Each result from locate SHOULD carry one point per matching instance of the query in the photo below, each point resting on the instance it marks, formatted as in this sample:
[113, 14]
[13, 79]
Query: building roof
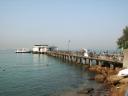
[41, 45]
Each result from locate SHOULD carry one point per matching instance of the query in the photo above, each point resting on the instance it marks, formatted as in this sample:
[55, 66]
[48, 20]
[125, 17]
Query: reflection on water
[39, 75]
[39, 59]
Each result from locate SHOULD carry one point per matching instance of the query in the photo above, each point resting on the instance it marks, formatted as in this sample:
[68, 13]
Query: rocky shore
[114, 85]
[110, 84]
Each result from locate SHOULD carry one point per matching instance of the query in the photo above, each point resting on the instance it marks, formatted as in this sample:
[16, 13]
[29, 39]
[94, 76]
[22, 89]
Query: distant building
[40, 48]
[53, 48]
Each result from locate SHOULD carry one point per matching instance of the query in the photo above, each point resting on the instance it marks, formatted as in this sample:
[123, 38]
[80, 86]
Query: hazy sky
[86, 23]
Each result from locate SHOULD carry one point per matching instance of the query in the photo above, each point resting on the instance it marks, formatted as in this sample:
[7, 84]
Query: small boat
[23, 50]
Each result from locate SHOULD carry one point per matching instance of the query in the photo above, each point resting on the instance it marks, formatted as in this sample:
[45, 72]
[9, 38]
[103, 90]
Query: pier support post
[80, 60]
[85, 61]
[99, 63]
[71, 58]
[77, 60]
[64, 57]
[90, 62]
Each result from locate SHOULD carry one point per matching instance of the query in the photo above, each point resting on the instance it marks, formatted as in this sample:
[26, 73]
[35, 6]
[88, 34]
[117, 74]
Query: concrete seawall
[125, 60]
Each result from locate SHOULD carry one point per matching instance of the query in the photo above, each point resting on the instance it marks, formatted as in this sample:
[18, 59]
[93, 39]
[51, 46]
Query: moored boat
[23, 50]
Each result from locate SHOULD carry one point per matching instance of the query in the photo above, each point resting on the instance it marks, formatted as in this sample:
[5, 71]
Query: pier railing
[77, 57]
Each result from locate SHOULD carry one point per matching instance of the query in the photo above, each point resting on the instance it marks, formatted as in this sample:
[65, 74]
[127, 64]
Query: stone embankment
[116, 85]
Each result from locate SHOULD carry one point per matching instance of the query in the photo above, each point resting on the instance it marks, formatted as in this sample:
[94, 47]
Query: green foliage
[123, 40]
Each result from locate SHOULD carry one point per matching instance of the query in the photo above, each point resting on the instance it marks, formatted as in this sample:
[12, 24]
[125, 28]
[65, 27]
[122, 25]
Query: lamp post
[68, 44]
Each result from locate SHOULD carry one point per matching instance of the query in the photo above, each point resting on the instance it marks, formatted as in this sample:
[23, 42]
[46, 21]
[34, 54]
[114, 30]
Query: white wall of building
[40, 48]
[44, 49]
[35, 49]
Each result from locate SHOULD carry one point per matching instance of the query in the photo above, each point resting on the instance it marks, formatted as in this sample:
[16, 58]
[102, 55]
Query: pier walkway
[91, 60]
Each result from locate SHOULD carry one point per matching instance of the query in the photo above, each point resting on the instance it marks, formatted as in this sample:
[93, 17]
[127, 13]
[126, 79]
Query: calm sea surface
[39, 75]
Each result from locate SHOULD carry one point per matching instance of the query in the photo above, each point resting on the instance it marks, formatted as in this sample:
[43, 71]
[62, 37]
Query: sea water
[39, 75]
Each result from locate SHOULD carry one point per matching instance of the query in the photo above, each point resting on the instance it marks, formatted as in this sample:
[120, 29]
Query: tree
[123, 40]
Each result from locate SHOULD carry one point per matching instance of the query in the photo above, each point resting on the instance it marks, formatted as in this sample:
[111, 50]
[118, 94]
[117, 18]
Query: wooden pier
[77, 59]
